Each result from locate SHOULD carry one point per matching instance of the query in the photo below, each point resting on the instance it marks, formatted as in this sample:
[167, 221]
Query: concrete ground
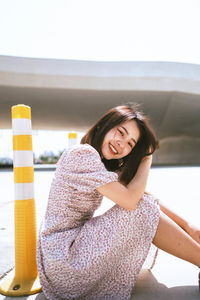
[171, 278]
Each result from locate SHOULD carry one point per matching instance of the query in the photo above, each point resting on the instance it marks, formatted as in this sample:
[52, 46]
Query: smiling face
[120, 140]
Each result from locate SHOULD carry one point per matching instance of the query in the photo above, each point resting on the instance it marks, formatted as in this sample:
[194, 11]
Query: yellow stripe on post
[24, 280]
[22, 142]
[25, 244]
[21, 111]
[72, 135]
[23, 174]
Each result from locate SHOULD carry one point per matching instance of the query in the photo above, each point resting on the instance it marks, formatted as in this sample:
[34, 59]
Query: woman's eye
[121, 132]
[130, 145]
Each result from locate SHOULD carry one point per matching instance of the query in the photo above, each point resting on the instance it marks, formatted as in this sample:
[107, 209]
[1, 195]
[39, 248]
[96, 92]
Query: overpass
[71, 95]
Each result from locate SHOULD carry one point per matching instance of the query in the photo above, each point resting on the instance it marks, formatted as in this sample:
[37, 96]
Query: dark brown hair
[146, 145]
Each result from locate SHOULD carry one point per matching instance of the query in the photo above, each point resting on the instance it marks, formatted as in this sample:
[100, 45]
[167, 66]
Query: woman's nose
[120, 143]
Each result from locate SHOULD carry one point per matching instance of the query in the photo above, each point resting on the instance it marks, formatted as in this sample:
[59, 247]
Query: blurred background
[73, 60]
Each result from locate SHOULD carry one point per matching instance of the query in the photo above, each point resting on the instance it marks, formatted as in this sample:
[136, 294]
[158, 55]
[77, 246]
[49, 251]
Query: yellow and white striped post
[24, 279]
[72, 139]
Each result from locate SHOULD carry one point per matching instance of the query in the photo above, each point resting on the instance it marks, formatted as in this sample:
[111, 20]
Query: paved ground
[171, 278]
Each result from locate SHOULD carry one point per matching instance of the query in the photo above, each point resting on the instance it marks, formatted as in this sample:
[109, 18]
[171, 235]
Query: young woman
[84, 257]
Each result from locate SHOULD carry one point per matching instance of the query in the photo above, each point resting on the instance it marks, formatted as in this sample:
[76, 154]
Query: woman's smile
[113, 150]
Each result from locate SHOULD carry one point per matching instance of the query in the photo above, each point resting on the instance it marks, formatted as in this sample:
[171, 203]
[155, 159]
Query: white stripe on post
[24, 191]
[21, 126]
[23, 158]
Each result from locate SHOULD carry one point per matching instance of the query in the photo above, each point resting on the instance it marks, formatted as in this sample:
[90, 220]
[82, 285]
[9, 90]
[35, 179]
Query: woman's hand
[193, 232]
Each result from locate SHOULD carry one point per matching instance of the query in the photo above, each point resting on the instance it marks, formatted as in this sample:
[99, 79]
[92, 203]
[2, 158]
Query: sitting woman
[82, 257]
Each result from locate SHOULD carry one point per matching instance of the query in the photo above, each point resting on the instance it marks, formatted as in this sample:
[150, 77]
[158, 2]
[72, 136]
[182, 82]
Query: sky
[106, 30]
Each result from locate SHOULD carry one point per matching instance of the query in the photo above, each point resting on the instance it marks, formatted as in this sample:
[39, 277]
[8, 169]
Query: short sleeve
[81, 168]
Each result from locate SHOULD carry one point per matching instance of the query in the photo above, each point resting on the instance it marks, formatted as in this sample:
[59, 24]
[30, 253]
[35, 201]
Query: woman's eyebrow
[127, 134]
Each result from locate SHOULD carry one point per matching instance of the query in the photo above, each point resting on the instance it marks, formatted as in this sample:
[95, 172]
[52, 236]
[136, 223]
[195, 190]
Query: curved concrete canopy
[71, 95]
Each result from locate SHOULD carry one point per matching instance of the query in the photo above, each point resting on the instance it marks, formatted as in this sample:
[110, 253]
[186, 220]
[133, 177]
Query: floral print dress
[83, 257]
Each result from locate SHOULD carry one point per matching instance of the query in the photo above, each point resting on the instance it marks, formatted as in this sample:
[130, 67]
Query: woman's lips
[112, 149]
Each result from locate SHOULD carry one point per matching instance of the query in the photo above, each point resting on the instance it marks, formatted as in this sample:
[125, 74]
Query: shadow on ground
[146, 288]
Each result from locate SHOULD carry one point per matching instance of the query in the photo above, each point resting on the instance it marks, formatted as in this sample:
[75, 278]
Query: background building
[70, 95]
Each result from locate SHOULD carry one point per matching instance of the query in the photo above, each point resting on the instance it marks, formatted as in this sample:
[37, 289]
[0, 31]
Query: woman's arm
[129, 196]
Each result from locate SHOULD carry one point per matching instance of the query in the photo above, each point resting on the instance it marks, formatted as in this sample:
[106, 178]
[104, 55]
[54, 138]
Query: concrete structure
[71, 95]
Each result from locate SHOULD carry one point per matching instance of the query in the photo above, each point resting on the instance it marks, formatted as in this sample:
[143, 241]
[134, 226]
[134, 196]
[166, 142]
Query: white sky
[137, 30]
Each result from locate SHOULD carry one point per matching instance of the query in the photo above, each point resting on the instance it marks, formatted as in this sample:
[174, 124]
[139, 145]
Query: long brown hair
[146, 145]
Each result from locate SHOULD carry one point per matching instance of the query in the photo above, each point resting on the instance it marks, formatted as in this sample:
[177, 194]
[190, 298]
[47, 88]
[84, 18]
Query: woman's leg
[174, 240]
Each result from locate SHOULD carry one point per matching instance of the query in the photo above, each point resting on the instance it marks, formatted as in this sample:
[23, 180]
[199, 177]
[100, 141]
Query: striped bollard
[24, 279]
[72, 139]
